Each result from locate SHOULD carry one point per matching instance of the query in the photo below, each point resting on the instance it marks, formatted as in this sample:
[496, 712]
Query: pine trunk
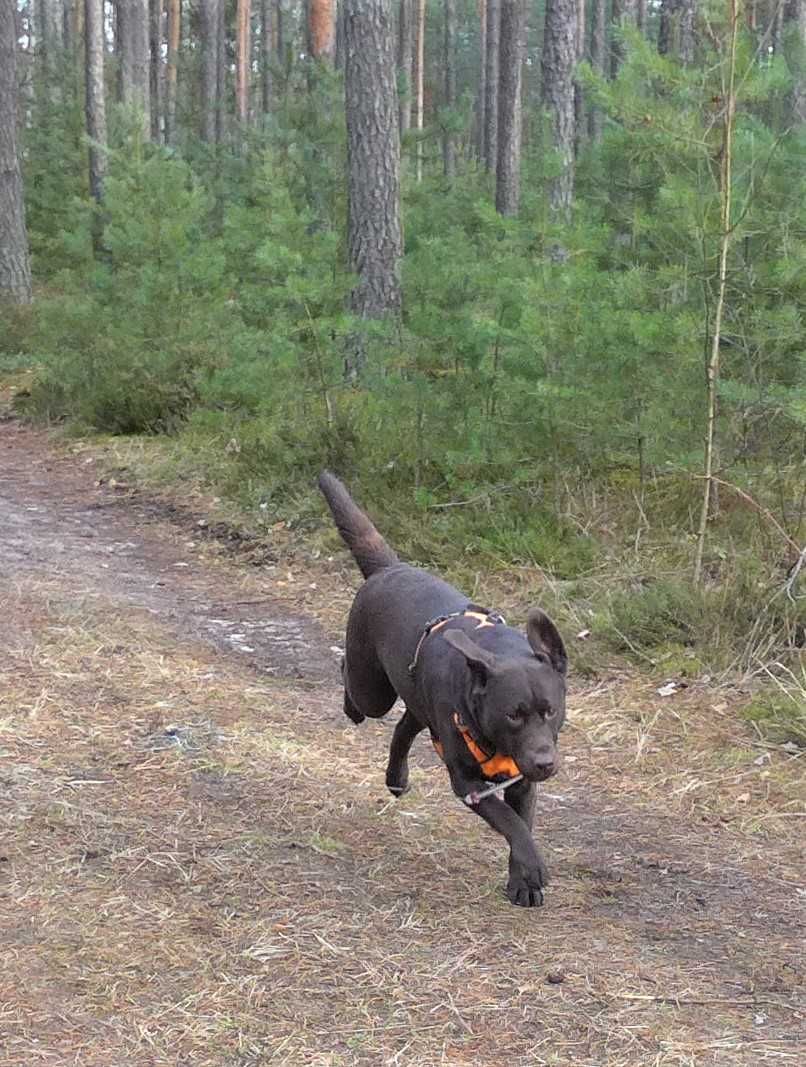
[156, 81]
[405, 58]
[266, 54]
[419, 81]
[15, 269]
[579, 98]
[208, 32]
[799, 88]
[510, 66]
[95, 107]
[559, 59]
[322, 28]
[666, 26]
[449, 61]
[221, 71]
[174, 37]
[625, 13]
[133, 58]
[373, 158]
[598, 11]
[244, 55]
[481, 96]
[688, 12]
[491, 83]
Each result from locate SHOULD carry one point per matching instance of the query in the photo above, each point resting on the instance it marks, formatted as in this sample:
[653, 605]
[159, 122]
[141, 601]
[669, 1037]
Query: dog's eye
[515, 717]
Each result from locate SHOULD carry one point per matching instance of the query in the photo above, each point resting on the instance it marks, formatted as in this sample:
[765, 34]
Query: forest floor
[199, 863]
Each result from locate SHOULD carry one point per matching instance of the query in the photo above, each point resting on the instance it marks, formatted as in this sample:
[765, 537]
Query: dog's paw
[397, 786]
[398, 790]
[525, 893]
[351, 711]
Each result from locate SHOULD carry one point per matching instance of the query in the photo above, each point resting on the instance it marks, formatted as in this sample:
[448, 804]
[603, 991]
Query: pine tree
[559, 60]
[507, 176]
[15, 271]
[95, 109]
[449, 64]
[373, 157]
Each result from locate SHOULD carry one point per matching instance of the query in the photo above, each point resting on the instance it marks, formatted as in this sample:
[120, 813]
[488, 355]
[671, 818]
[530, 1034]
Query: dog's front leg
[528, 875]
[522, 797]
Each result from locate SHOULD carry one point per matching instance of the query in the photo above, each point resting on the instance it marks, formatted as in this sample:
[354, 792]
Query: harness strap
[489, 765]
[485, 618]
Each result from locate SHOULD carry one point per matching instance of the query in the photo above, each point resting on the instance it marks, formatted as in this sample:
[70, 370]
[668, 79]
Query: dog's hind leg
[367, 690]
[397, 770]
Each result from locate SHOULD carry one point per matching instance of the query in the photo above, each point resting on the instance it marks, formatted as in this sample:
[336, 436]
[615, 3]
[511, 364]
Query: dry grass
[201, 868]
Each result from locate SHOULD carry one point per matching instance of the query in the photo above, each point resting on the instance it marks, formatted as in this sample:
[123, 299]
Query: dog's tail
[369, 549]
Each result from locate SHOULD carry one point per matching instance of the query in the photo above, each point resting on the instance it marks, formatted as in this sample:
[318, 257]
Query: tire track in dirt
[56, 520]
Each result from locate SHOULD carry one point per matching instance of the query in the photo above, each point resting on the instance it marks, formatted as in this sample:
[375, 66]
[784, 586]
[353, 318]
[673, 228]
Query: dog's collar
[485, 618]
[489, 765]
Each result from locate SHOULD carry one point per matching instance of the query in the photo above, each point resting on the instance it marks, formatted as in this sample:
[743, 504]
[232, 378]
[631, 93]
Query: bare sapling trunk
[712, 370]
[15, 269]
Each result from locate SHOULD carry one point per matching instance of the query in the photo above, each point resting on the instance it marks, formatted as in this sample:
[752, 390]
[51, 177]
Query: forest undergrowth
[534, 416]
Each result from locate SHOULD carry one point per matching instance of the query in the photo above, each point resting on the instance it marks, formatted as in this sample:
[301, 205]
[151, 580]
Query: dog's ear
[481, 663]
[544, 637]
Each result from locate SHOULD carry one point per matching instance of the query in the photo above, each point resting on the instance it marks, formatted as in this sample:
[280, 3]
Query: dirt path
[199, 864]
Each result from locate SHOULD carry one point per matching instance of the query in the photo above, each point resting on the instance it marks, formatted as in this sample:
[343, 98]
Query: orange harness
[490, 766]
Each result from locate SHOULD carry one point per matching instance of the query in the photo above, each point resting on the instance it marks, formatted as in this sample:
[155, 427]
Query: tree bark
[419, 81]
[726, 233]
[133, 58]
[481, 95]
[799, 88]
[373, 159]
[174, 37]
[15, 268]
[266, 55]
[449, 62]
[688, 12]
[208, 27]
[598, 52]
[491, 83]
[244, 57]
[625, 13]
[665, 26]
[510, 67]
[405, 58]
[156, 81]
[221, 71]
[95, 109]
[322, 29]
[579, 98]
[559, 59]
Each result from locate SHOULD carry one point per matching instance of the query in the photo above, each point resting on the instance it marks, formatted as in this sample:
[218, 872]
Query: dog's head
[517, 701]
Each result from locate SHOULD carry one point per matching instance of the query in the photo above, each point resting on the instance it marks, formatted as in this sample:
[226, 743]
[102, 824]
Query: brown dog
[492, 697]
